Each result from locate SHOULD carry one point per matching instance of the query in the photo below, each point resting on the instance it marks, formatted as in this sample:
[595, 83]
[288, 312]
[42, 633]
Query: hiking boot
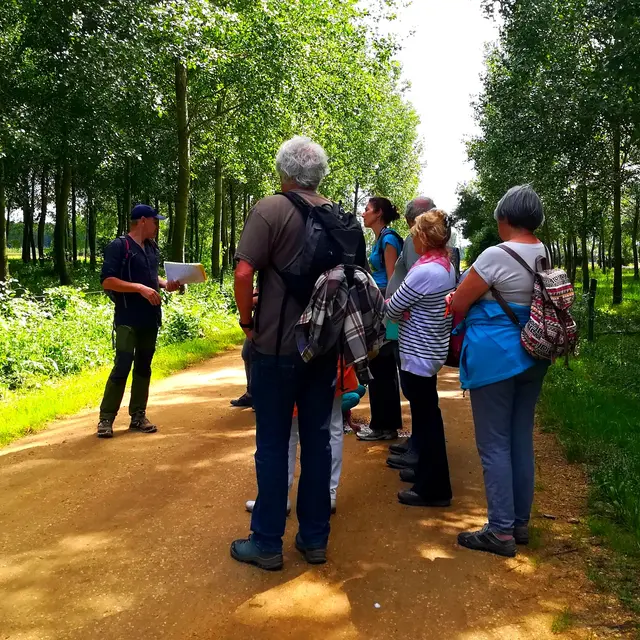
[407, 460]
[245, 550]
[375, 436]
[250, 504]
[400, 448]
[105, 429]
[312, 556]
[486, 540]
[243, 402]
[408, 475]
[521, 534]
[413, 499]
[140, 423]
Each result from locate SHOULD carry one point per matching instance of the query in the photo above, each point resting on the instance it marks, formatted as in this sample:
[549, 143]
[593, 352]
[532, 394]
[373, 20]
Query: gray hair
[417, 206]
[520, 207]
[302, 161]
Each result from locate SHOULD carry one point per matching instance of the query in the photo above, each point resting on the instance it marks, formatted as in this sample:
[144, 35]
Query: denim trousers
[504, 415]
[277, 384]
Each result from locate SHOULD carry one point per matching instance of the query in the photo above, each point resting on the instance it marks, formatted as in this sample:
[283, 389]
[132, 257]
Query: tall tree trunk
[32, 241]
[44, 202]
[184, 170]
[232, 201]
[245, 207]
[191, 230]
[603, 260]
[634, 237]
[583, 239]
[26, 215]
[63, 186]
[196, 223]
[559, 253]
[170, 216]
[575, 258]
[225, 232]
[119, 207]
[86, 228]
[593, 253]
[217, 219]
[617, 218]
[93, 219]
[355, 198]
[3, 237]
[74, 221]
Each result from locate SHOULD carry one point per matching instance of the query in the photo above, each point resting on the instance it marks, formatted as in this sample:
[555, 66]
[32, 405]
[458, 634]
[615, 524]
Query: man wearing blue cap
[130, 278]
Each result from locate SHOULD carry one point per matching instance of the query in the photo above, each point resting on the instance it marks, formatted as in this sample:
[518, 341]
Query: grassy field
[594, 407]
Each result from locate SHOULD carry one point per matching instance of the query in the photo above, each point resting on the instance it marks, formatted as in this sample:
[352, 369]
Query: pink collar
[439, 257]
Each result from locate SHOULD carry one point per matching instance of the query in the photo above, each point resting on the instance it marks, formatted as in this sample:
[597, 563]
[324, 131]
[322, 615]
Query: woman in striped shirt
[419, 306]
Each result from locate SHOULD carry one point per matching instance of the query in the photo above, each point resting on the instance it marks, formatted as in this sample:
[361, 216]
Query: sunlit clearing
[431, 552]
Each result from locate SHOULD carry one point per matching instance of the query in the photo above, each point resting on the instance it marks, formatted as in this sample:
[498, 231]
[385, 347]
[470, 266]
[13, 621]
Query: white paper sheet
[185, 273]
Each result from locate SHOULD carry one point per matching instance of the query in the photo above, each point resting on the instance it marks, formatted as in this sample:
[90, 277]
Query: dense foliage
[560, 109]
[182, 104]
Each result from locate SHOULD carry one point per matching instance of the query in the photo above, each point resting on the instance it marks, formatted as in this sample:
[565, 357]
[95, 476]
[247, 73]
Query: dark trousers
[432, 481]
[134, 346]
[277, 384]
[384, 391]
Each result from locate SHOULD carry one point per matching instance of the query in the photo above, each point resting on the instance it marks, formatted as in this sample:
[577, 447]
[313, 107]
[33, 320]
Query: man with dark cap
[130, 278]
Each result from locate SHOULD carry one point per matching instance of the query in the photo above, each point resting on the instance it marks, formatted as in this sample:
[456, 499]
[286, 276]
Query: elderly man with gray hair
[272, 238]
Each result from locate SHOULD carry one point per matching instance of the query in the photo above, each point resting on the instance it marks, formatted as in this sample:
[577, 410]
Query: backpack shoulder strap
[298, 202]
[497, 296]
[518, 257]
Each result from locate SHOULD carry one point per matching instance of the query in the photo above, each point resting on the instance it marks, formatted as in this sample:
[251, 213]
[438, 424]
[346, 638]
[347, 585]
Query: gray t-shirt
[498, 269]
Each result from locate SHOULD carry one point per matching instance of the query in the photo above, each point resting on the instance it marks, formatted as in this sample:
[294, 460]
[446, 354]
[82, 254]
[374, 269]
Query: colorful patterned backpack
[551, 332]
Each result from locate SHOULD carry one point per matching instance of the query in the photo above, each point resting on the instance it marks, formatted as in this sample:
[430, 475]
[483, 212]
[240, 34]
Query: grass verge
[594, 408]
[25, 413]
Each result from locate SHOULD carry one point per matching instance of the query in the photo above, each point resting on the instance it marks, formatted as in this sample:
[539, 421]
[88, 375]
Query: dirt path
[129, 538]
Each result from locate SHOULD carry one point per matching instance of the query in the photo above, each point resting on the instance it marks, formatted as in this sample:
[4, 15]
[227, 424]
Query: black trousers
[384, 391]
[427, 427]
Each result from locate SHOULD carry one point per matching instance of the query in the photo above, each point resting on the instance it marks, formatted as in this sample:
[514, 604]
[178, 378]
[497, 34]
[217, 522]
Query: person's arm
[122, 286]
[401, 301]
[473, 287]
[168, 285]
[243, 288]
[390, 259]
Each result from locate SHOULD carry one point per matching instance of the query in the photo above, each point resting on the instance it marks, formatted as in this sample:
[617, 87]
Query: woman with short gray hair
[503, 379]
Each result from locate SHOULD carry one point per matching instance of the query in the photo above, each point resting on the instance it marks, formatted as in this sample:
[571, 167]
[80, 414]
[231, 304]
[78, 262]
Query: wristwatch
[248, 325]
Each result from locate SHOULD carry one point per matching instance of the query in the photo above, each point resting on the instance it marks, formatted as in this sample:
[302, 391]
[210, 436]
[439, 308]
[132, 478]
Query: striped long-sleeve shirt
[424, 336]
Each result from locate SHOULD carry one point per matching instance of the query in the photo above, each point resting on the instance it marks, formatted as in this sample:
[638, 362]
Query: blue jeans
[504, 414]
[277, 384]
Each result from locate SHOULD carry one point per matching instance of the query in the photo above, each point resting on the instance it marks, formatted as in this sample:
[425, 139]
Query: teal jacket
[491, 351]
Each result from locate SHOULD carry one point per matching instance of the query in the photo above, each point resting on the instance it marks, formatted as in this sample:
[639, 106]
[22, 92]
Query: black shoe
[412, 499]
[140, 423]
[244, 402]
[521, 534]
[246, 551]
[312, 556]
[399, 449]
[408, 475]
[486, 540]
[407, 460]
[375, 436]
[105, 429]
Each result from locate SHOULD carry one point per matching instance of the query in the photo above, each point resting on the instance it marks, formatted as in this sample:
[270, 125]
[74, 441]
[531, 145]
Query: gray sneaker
[142, 424]
[521, 534]
[105, 429]
[486, 540]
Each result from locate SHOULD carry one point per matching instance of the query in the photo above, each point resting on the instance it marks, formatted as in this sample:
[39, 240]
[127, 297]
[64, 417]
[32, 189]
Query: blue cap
[145, 211]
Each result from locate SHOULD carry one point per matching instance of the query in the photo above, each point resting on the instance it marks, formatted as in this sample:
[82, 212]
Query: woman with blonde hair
[419, 305]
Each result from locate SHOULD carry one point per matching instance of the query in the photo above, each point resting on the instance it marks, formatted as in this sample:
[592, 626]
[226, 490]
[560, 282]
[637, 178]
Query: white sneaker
[250, 504]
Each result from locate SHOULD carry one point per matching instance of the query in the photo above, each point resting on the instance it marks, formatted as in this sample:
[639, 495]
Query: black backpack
[112, 295]
[332, 237]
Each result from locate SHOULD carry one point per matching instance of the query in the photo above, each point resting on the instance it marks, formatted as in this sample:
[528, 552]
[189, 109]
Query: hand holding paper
[185, 273]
